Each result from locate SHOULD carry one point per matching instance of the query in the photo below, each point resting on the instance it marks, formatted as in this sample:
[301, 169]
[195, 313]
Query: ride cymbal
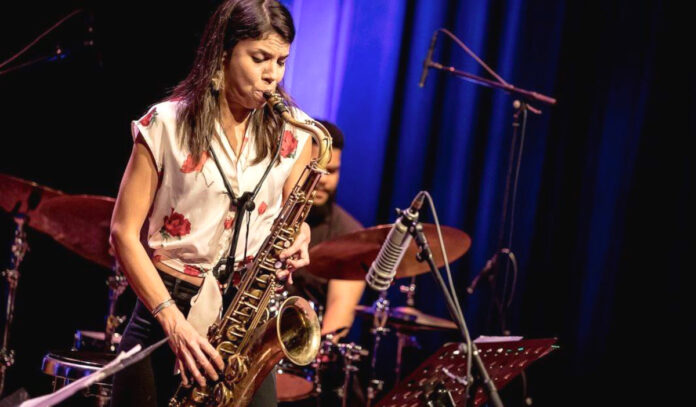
[348, 257]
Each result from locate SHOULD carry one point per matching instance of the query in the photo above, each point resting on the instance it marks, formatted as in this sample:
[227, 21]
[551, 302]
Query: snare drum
[66, 366]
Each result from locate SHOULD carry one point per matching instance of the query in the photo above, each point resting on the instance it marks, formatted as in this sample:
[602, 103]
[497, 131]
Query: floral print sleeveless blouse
[191, 219]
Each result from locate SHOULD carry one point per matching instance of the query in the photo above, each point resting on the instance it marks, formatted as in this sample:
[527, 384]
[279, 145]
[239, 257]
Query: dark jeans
[151, 382]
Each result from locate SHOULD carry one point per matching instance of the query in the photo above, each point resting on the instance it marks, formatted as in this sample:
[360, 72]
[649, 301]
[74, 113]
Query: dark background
[606, 241]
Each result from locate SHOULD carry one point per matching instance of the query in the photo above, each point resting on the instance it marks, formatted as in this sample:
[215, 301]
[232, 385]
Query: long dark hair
[233, 21]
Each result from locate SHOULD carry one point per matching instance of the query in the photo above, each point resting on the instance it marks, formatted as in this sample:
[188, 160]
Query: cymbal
[79, 222]
[22, 195]
[348, 257]
[409, 319]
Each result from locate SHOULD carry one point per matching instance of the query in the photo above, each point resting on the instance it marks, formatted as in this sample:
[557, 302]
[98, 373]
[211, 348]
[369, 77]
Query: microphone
[428, 60]
[487, 271]
[383, 269]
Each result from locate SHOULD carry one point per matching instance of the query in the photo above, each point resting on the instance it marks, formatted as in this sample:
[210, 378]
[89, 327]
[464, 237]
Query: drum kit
[348, 257]
[81, 223]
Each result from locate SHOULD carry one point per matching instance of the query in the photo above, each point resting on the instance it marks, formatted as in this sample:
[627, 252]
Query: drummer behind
[328, 220]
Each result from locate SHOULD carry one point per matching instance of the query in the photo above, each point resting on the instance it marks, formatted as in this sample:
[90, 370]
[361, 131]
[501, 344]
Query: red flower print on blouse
[229, 222]
[192, 270]
[145, 121]
[236, 278]
[288, 146]
[175, 225]
[190, 166]
[262, 208]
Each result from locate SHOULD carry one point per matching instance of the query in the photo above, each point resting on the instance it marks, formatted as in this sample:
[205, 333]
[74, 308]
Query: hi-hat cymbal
[348, 257]
[23, 196]
[79, 222]
[409, 319]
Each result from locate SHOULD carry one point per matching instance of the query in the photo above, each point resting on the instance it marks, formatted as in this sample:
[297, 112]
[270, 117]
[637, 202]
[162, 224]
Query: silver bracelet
[164, 304]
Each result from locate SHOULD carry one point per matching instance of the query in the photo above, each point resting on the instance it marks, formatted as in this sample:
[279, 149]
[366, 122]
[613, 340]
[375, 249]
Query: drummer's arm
[342, 297]
[135, 197]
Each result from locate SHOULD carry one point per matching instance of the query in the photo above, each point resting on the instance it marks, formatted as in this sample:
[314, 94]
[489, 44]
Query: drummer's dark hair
[335, 133]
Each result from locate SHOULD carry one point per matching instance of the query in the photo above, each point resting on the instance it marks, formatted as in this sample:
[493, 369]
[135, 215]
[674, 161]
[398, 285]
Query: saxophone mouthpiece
[276, 102]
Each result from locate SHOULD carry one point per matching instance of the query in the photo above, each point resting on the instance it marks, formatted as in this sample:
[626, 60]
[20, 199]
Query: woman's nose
[272, 74]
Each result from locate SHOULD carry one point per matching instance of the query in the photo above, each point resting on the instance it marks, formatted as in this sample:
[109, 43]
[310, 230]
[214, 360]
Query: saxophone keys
[226, 347]
[235, 369]
[235, 332]
[222, 395]
[199, 395]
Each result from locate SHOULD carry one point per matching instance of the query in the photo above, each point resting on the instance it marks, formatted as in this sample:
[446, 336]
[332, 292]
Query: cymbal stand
[17, 252]
[351, 353]
[410, 291]
[117, 285]
[405, 339]
[379, 329]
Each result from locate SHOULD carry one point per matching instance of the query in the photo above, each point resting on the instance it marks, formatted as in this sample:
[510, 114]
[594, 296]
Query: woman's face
[255, 66]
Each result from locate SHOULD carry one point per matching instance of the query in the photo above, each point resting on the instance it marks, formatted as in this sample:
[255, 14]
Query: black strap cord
[244, 203]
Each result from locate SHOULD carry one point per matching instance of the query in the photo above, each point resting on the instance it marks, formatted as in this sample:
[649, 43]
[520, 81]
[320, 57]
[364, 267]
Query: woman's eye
[257, 59]
[281, 63]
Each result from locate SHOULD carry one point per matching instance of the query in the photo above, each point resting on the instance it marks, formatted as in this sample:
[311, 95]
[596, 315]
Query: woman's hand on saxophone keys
[193, 352]
[297, 255]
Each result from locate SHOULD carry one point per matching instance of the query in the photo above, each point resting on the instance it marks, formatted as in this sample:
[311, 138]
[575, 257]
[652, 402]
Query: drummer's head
[327, 186]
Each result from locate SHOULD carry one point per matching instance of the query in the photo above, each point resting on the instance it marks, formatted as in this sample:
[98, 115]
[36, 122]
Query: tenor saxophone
[250, 341]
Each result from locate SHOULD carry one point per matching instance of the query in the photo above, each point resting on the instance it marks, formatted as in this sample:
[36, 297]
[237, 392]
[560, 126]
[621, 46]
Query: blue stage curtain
[358, 64]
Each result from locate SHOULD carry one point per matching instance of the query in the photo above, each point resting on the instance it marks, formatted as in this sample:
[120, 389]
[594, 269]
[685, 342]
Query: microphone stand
[521, 108]
[425, 254]
[526, 94]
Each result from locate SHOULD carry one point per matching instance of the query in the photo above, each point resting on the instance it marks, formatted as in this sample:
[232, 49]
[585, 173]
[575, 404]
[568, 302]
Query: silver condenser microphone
[383, 269]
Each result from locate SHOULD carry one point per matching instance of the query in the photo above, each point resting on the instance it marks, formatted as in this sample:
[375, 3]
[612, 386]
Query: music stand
[443, 375]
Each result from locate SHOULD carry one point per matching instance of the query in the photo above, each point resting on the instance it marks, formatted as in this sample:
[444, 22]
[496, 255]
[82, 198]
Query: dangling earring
[216, 82]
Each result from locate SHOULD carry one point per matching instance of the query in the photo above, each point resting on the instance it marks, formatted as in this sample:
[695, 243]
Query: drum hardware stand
[440, 397]
[410, 291]
[379, 322]
[351, 353]
[404, 339]
[117, 284]
[17, 252]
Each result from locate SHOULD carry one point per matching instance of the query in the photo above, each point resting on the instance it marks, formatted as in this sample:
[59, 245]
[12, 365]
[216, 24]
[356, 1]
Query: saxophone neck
[319, 133]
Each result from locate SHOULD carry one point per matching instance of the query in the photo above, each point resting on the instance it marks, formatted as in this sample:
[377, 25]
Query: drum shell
[94, 341]
[294, 382]
[68, 366]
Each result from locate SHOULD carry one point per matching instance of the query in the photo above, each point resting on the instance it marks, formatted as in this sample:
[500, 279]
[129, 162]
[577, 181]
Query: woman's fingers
[301, 241]
[303, 259]
[203, 362]
[213, 354]
[182, 371]
[191, 367]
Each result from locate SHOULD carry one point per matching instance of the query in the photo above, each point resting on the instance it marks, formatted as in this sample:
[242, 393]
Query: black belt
[180, 290]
